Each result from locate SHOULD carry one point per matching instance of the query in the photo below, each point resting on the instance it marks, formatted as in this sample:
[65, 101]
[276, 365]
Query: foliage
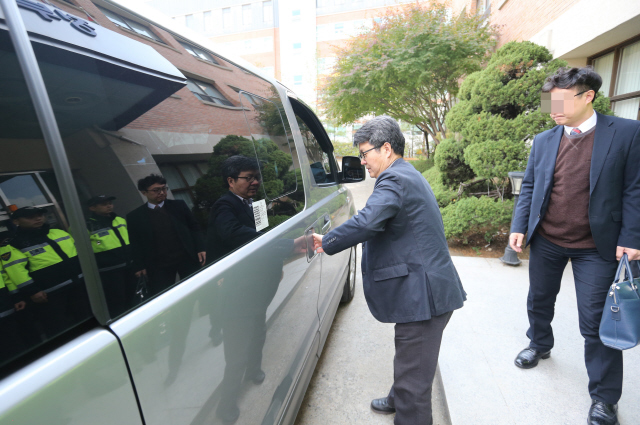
[449, 159]
[422, 165]
[498, 114]
[475, 215]
[443, 194]
[407, 66]
[274, 167]
[345, 149]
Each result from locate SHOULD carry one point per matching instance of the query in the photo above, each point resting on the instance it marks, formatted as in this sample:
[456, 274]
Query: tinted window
[148, 167]
[42, 290]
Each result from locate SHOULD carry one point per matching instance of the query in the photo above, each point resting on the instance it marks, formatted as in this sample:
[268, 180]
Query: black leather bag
[620, 323]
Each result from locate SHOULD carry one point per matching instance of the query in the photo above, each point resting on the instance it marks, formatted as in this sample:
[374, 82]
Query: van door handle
[326, 227]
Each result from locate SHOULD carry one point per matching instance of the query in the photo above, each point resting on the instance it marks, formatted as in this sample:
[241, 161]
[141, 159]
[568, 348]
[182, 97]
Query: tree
[497, 116]
[490, 134]
[407, 66]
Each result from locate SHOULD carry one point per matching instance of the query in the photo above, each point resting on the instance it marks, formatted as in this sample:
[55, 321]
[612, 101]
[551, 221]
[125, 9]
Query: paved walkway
[482, 384]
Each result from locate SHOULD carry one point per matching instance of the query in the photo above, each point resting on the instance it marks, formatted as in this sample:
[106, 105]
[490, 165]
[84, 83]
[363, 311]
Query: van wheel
[350, 283]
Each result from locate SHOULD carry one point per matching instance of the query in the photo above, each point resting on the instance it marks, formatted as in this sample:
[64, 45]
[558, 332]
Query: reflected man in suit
[243, 298]
[580, 200]
[165, 237]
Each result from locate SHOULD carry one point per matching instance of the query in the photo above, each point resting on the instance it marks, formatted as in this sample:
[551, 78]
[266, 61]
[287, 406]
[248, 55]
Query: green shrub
[422, 165]
[471, 216]
[443, 194]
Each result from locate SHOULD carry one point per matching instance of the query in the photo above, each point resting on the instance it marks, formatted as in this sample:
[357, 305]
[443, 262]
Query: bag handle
[624, 261]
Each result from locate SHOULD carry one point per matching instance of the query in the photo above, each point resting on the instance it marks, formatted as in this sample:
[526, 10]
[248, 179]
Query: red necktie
[575, 131]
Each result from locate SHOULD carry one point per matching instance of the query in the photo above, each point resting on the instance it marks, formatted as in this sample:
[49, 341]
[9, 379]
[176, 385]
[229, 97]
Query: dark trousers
[414, 367]
[593, 276]
[162, 277]
[244, 339]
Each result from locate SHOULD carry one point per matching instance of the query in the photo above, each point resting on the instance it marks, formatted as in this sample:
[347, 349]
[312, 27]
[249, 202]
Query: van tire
[350, 282]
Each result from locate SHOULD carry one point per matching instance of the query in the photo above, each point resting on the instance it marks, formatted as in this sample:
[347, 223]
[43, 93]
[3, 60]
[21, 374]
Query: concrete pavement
[482, 384]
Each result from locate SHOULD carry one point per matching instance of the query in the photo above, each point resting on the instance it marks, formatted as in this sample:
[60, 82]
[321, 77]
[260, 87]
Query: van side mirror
[352, 170]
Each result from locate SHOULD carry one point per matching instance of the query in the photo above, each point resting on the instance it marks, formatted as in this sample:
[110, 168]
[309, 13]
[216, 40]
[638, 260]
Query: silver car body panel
[82, 382]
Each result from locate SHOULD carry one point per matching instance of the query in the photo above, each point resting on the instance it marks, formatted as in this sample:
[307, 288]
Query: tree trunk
[426, 143]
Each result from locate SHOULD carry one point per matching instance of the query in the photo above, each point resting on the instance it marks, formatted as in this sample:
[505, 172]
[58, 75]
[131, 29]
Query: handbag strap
[624, 261]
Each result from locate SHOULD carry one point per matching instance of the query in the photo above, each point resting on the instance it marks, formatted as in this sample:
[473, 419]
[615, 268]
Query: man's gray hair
[380, 130]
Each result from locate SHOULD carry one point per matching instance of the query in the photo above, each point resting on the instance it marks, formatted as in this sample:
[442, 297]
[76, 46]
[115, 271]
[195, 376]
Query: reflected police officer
[110, 242]
[43, 264]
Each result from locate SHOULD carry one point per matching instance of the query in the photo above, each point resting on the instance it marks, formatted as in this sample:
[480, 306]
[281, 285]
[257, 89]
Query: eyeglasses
[250, 179]
[363, 155]
[159, 189]
[582, 92]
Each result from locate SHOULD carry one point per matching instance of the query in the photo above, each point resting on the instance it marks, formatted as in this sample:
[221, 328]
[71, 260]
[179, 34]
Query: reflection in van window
[42, 291]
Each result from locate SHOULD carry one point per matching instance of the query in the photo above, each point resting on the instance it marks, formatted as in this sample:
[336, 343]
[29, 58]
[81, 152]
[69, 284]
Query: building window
[131, 25]
[295, 15]
[181, 178]
[189, 21]
[267, 11]
[297, 80]
[227, 22]
[199, 53]
[322, 3]
[207, 92]
[208, 21]
[246, 14]
[620, 71]
[339, 28]
[340, 2]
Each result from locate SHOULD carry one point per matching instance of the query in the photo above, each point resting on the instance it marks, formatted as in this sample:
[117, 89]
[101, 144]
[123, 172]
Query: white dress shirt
[585, 126]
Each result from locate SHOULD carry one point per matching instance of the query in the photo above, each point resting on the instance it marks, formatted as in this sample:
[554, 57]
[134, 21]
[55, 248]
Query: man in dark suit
[243, 298]
[409, 278]
[580, 200]
[165, 237]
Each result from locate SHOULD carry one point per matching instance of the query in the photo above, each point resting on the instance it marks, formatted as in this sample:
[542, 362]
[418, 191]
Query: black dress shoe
[529, 357]
[381, 405]
[603, 413]
[257, 377]
[228, 413]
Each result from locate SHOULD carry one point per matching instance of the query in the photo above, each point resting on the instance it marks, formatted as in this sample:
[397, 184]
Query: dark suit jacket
[231, 225]
[249, 290]
[141, 232]
[614, 201]
[407, 271]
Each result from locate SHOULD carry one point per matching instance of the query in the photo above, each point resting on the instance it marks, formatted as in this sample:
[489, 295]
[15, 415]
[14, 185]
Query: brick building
[176, 137]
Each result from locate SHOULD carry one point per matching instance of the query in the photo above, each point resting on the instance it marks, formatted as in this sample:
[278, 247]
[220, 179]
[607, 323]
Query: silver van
[156, 207]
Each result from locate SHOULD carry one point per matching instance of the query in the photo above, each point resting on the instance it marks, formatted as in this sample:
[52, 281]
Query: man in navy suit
[407, 272]
[165, 236]
[580, 200]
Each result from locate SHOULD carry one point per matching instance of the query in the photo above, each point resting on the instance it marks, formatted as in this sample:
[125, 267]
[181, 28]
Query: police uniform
[110, 243]
[45, 260]
[11, 343]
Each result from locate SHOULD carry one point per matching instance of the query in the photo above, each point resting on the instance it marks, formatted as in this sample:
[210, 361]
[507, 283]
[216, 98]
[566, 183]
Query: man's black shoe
[530, 357]
[381, 405]
[228, 413]
[603, 413]
[257, 377]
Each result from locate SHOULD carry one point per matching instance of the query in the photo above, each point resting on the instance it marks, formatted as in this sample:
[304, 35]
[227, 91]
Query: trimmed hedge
[476, 215]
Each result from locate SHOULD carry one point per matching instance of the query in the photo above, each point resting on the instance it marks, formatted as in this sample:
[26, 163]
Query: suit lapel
[244, 207]
[552, 145]
[601, 143]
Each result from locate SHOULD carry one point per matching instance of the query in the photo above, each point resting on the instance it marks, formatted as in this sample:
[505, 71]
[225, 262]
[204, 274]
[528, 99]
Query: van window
[321, 158]
[42, 290]
[149, 163]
